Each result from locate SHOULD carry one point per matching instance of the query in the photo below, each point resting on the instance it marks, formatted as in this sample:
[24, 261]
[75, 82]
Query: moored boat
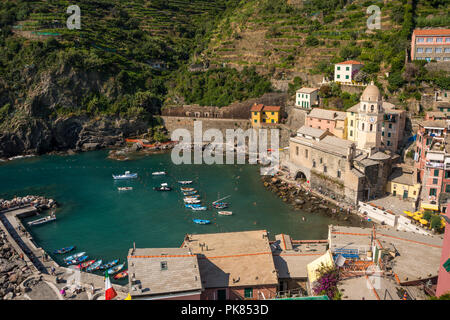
[187, 205]
[84, 264]
[194, 196]
[125, 188]
[46, 219]
[225, 213]
[77, 260]
[74, 256]
[192, 200]
[121, 275]
[116, 268]
[200, 221]
[185, 182]
[199, 208]
[187, 189]
[159, 173]
[109, 264]
[64, 250]
[94, 266]
[189, 193]
[126, 175]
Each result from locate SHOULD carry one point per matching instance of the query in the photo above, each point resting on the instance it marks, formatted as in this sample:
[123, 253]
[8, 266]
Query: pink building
[443, 285]
[430, 44]
[329, 120]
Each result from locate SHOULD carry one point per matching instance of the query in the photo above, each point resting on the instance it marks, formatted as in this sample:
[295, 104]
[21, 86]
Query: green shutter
[446, 265]
[248, 292]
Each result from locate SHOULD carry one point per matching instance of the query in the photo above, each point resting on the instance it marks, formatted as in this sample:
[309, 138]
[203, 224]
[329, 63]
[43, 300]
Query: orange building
[260, 113]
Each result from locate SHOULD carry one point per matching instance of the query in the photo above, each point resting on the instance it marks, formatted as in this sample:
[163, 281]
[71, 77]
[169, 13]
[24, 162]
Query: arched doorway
[299, 175]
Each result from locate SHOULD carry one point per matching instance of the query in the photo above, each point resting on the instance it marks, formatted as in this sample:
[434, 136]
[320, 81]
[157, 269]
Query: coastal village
[373, 162]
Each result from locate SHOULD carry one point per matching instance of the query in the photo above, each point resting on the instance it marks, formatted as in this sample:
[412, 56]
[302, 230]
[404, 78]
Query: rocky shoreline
[305, 201]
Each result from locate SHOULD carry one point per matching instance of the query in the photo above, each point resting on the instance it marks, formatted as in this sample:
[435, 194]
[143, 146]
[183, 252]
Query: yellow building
[352, 124]
[403, 183]
[264, 114]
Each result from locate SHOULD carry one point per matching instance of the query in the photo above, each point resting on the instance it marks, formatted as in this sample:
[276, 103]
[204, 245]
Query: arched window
[371, 108]
[362, 126]
[364, 107]
[371, 127]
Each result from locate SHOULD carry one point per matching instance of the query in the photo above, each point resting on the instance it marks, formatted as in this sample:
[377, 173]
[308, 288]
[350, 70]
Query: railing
[434, 165]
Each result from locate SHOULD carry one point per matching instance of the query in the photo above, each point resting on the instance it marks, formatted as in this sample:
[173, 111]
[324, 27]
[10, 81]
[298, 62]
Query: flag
[110, 293]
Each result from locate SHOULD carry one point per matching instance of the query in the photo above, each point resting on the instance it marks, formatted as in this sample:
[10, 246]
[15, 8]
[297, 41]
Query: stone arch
[300, 175]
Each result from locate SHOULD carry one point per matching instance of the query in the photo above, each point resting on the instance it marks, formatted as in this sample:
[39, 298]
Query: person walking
[52, 270]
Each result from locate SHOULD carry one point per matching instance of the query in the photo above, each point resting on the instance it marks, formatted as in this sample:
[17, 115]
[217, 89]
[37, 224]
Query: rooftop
[307, 90]
[403, 176]
[233, 258]
[434, 124]
[313, 132]
[257, 107]
[350, 62]
[327, 143]
[327, 114]
[431, 32]
[180, 275]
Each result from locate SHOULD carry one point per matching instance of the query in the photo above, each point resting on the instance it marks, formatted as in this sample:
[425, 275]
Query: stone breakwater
[13, 270]
[303, 200]
[37, 201]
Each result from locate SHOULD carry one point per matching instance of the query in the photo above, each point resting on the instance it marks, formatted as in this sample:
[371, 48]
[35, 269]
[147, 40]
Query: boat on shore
[225, 213]
[200, 221]
[121, 275]
[116, 268]
[185, 182]
[126, 175]
[125, 188]
[46, 219]
[64, 250]
[74, 256]
[159, 173]
[94, 266]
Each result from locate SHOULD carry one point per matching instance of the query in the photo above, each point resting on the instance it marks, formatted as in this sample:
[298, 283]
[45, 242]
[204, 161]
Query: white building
[346, 71]
[307, 97]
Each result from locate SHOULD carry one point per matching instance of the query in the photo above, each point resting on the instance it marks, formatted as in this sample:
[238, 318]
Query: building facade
[345, 72]
[443, 285]
[261, 114]
[333, 121]
[430, 44]
[306, 98]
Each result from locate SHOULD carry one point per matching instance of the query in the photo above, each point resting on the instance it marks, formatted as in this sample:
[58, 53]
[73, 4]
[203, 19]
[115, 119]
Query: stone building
[331, 120]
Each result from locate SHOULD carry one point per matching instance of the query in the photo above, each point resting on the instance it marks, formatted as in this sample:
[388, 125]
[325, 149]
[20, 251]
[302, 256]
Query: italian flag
[109, 290]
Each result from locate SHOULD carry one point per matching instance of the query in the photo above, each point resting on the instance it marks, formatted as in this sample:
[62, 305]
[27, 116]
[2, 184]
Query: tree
[361, 76]
[311, 41]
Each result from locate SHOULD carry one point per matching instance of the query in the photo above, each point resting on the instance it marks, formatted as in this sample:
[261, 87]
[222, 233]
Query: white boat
[199, 208]
[192, 201]
[225, 213]
[126, 175]
[42, 220]
[125, 188]
[159, 173]
[185, 182]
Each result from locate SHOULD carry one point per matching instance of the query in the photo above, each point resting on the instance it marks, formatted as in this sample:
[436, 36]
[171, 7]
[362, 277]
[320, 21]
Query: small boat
[74, 256]
[121, 275]
[185, 182]
[116, 269]
[162, 188]
[192, 200]
[84, 264]
[109, 264]
[125, 188]
[159, 173]
[195, 196]
[77, 260]
[187, 189]
[220, 205]
[192, 205]
[199, 208]
[64, 250]
[189, 193]
[200, 221]
[126, 175]
[42, 220]
[225, 213]
[94, 266]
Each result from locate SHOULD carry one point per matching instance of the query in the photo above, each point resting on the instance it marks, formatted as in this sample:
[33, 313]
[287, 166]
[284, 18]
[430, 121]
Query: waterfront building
[235, 265]
[164, 274]
[403, 183]
[437, 115]
[330, 120]
[430, 44]
[261, 114]
[375, 124]
[443, 285]
[307, 97]
[344, 72]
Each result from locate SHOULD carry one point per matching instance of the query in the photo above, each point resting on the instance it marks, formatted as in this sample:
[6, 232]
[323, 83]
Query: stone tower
[370, 119]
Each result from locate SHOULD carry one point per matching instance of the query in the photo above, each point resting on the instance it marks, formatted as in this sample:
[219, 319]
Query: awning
[427, 206]
[435, 156]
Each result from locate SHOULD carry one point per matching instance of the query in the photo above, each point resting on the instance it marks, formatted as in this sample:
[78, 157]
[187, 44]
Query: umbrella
[408, 213]
[423, 221]
[417, 218]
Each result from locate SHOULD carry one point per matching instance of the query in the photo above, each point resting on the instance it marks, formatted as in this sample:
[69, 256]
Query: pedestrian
[92, 288]
[21, 256]
[52, 270]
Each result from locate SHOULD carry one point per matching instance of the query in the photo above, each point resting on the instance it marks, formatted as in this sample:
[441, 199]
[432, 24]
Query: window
[351, 133]
[338, 76]
[371, 108]
[428, 50]
[347, 77]
[306, 153]
[339, 173]
[255, 113]
[420, 39]
[447, 188]
[388, 143]
[436, 172]
[163, 265]
[314, 163]
[419, 50]
[273, 121]
[438, 50]
[382, 134]
[321, 161]
[351, 123]
[435, 181]
[339, 68]
[389, 134]
[371, 127]
[390, 125]
[255, 121]
[248, 293]
[362, 126]
[447, 40]
[296, 151]
[347, 68]
[324, 169]
[273, 113]
[446, 58]
[429, 40]
[433, 192]
[447, 50]
[447, 174]
[439, 40]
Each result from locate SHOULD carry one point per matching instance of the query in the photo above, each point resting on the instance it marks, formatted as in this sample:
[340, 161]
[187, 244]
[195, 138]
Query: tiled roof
[350, 62]
[182, 272]
[309, 131]
[271, 108]
[307, 90]
[257, 107]
[261, 107]
[327, 114]
[431, 32]
[402, 177]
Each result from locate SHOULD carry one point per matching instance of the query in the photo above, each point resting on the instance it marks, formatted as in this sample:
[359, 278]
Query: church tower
[370, 119]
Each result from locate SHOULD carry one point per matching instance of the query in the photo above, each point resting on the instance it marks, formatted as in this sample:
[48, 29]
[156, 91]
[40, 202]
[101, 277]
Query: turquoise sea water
[104, 222]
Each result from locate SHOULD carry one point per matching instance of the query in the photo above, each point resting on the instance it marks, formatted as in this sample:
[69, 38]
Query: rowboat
[192, 200]
[195, 196]
[64, 250]
[159, 173]
[74, 256]
[220, 205]
[84, 264]
[121, 275]
[95, 266]
[77, 260]
[126, 175]
[109, 264]
[189, 193]
[116, 269]
[125, 188]
[42, 220]
[161, 188]
[185, 182]
[192, 205]
[200, 221]
[199, 208]
[187, 189]
[225, 213]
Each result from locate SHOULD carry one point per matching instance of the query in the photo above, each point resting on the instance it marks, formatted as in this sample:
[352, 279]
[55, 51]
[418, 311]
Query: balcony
[437, 165]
